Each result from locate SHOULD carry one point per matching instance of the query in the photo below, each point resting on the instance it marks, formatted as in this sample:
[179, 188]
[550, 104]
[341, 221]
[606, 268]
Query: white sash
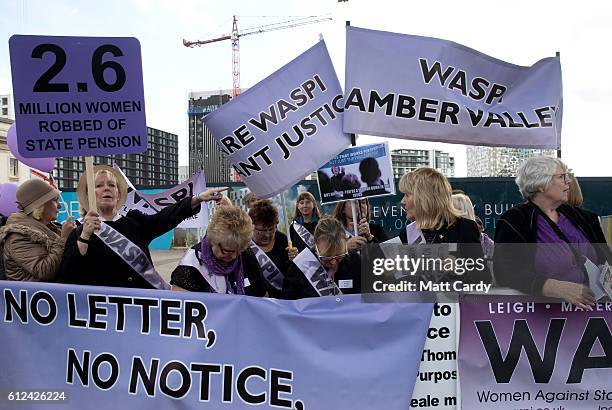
[269, 270]
[316, 274]
[131, 254]
[414, 236]
[190, 259]
[306, 236]
[348, 234]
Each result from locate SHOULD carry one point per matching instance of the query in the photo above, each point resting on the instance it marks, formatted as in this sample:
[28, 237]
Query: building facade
[204, 152]
[406, 160]
[499, 161]
[7, 109]
[157, 166]
[11, 169]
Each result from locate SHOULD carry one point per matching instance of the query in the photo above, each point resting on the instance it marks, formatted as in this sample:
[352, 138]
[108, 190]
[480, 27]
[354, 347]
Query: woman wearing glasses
[222, 262]
[342, 266]
[564, 238]
[268, 240]
[368, 232]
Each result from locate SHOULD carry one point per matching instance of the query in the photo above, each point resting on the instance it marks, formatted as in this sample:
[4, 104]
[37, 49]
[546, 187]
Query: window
[4, 111]
[4, 101]
[13, 167]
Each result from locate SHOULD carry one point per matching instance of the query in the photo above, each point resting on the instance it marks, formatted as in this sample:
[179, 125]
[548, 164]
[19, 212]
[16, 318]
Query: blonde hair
[37, 213]
[110, 176]
[464, 205]
[311, 198]
[230, 226]
[432, 198]
[574, 196]
[330, 230]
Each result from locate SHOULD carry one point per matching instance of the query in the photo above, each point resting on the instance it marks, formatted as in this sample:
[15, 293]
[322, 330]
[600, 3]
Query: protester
[488, 246]
[565, 237]
[273, 243]
[576, 199]
[427, 201]
[307, 215]
[222, 262]
[123, 258]
[33, 244]
[249, 200]
[368, 231]
[343, 266]
[464, 205]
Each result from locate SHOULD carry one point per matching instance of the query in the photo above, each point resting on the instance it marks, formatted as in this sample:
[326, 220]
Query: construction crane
[235, 37]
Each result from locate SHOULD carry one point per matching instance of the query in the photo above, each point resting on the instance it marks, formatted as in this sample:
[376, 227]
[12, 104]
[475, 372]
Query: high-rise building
[406, 160]
[204, 152]
[11, 169]
[499, 161]
[157, 166]
[6, 106]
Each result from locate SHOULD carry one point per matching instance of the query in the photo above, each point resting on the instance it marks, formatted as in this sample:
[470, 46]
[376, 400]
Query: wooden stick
[282, 198]
[355, 221]
[91, 184]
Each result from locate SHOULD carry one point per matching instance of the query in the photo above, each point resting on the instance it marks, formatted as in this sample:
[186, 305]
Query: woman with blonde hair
[428, 202]
[222, 262]
[306, 215]
[33, 245]
[464, 205]
[109, 249]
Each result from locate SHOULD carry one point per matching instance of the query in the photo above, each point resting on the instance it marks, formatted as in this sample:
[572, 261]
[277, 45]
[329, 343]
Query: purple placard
[78, 95]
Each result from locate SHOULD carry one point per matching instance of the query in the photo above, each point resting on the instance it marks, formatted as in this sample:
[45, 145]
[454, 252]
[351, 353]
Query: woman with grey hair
[563, 237]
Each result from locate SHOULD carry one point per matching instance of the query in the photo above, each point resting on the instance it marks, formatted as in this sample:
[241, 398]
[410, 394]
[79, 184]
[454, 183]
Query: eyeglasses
[266, 231]
[566, 177]
[330, 259]
[228, 252]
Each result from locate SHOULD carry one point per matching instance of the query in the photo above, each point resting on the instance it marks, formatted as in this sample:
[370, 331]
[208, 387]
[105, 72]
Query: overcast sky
[520, 32]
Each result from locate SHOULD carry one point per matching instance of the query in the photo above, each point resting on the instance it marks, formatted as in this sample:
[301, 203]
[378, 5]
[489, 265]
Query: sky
[520, 32]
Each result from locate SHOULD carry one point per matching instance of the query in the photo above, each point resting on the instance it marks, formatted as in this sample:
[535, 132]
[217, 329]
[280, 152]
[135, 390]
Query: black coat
[296, 240]
[296, 285]
[101, 266]
[378, 232]
[464, 232]
[513, 266]
[189, 278]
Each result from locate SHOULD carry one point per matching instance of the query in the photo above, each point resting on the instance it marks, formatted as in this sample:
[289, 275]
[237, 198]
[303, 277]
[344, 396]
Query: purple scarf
[216, 268]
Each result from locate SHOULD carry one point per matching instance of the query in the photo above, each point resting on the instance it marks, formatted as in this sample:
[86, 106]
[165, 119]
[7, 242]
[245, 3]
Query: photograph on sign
[357, 172]
[78, 96]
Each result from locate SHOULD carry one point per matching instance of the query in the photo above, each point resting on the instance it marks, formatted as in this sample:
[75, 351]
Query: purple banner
[78, 95]
[535, 355]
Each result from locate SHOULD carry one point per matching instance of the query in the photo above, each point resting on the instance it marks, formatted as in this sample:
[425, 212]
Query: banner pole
[282, 198]
[558, 54]
[355, 221]
[91, 183]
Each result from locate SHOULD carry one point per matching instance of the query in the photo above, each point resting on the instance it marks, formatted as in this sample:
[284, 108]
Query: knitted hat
[81, 190]
[33, 194]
